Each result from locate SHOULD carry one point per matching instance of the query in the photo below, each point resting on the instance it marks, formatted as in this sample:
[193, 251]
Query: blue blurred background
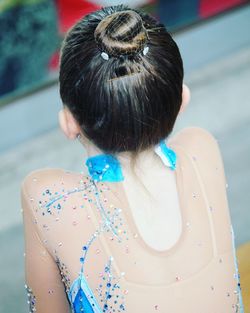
[214, 40]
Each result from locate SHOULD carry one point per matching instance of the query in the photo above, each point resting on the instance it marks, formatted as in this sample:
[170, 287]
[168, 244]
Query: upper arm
[41, 272]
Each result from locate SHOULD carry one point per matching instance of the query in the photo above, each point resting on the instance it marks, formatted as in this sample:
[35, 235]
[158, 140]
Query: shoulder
[39, 178]
[197, 142]
[40, 181]
[193, 137]
[202, 148]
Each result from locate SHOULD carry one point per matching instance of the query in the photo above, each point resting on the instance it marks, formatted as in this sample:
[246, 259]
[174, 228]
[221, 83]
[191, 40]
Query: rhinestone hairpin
[105, 56]
[145, 50]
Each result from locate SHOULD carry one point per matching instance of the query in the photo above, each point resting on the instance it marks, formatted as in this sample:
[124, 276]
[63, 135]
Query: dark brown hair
[128, 98]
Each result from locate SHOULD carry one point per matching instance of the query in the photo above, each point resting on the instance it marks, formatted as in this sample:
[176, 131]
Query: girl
[148, 227]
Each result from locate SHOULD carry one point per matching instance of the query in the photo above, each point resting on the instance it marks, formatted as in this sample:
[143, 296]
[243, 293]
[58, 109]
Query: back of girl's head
[121, 77]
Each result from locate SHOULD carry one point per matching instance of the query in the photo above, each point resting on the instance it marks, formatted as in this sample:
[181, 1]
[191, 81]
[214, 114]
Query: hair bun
[121, 33]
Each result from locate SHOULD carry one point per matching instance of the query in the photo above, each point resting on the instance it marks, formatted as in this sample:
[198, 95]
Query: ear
[68, 124]
[186, 95]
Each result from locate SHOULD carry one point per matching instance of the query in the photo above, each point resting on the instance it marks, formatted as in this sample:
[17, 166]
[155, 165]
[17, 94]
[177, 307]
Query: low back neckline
[134, 229]
[100, 172]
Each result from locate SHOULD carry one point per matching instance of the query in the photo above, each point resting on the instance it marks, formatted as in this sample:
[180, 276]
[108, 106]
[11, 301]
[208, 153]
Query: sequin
[31, 299]
[239, 304]
[64, 273]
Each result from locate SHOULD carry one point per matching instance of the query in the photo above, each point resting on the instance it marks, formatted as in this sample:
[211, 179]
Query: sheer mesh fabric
[64, 211]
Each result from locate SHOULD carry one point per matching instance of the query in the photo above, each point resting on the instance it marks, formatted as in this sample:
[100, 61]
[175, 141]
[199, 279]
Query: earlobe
[68, 124]
[62, 122]
[186, 95]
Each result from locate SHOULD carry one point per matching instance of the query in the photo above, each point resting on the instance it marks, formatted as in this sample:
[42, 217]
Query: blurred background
[214, 39]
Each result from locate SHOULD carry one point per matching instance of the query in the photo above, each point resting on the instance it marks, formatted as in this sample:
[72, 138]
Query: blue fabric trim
[81, 303]
[104, 167]
[169, 154]
[82, 298]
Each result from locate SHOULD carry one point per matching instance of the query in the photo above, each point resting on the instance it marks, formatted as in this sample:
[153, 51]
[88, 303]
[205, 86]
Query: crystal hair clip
[105, 56]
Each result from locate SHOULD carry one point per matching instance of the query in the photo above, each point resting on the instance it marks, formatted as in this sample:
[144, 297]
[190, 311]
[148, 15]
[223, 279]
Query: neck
[143, 160]
[92, 150]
